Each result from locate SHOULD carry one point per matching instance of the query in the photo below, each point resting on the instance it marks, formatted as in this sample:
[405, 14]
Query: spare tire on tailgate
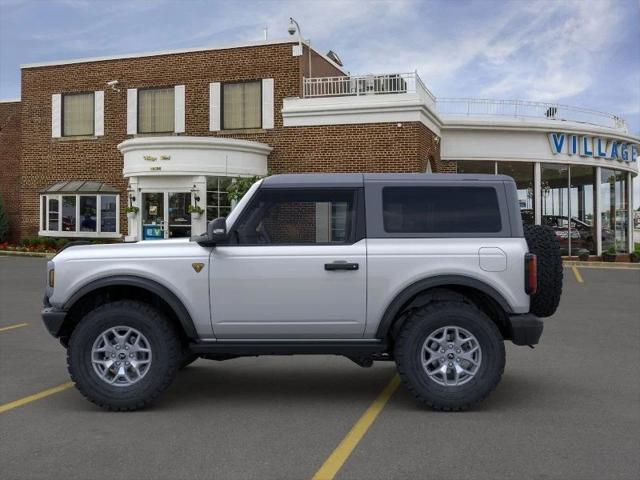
[542, 242]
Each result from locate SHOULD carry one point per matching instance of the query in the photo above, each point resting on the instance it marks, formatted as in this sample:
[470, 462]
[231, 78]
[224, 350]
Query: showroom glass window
[476, 166]
[156, 110]
[79, 214]
[297, 217]
[555, 201]
[218, 203]
[522, 173]
[242, 105]
[582, 208]
[614, 209]
[436, 210]
[78, 114]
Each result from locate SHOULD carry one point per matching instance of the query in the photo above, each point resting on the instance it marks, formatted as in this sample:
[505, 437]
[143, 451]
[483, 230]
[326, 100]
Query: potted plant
[583, 254]
[634, 256]
[195, 211]
[610, 255]
[131, 212]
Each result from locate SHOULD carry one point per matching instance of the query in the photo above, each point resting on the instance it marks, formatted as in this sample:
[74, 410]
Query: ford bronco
[433, 272]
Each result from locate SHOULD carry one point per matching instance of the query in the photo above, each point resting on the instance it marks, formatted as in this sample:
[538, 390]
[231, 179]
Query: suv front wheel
[450, 355]
[122, 355]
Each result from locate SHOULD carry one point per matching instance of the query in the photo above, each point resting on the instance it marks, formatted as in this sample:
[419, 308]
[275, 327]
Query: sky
[578, 52]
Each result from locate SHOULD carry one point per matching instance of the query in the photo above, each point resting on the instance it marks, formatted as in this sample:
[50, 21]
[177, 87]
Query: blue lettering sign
[601, 151]
[557, 142]
[573, 146]
[634, 153]
[586, 148]
[614, 155]
[624, 153]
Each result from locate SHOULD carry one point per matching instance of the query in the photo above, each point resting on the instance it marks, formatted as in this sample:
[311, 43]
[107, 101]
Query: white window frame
[57, 115]
[179, 110]
[78, 233]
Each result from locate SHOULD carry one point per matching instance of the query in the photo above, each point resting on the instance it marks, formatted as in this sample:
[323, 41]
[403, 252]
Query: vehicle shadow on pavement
[515, 392]
[213, 383]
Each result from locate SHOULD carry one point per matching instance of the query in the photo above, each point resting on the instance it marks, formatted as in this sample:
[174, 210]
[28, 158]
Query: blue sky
[584, 52]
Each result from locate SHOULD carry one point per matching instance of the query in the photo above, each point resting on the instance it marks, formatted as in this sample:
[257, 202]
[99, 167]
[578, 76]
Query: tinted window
[294, 217]
[441, 210]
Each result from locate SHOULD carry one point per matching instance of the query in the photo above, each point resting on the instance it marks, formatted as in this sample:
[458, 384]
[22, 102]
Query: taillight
[530, 273]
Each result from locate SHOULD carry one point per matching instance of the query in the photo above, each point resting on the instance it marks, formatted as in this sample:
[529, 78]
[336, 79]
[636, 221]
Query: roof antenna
[266, 32]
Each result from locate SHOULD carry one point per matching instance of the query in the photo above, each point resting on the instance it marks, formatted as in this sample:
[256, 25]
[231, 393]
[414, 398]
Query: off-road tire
[408, 352]
[542, 241]
[165, 346]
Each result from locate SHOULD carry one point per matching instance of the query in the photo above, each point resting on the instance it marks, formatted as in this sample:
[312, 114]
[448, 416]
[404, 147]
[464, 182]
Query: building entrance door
[164, 215]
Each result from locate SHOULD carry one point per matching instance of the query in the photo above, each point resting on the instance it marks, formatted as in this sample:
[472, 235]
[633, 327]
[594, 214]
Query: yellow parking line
[334, 463]
[577, 274]
[36, 396]
[11, 327]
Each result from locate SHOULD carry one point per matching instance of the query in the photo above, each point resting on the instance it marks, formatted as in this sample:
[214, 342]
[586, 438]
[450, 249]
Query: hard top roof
[304, 180]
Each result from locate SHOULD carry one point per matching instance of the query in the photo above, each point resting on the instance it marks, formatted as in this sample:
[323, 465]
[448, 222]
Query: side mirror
[216, 233]
[217, 230]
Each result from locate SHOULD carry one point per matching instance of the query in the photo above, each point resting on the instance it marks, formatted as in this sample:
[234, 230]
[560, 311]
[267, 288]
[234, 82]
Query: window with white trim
[156, 110]
[65, 211]
[242, 105]
[78, 114]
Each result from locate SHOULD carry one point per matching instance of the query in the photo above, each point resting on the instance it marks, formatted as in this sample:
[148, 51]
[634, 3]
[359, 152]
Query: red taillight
[530, 273]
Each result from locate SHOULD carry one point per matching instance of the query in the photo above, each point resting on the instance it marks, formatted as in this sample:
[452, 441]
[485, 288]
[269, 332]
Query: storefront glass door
[164, 215]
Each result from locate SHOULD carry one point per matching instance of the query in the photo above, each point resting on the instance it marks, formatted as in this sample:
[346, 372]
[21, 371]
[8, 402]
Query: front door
[296, 267]
[164, 215]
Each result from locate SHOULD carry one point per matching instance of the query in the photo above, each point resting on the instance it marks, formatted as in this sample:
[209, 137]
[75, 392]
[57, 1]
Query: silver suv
[433, 272]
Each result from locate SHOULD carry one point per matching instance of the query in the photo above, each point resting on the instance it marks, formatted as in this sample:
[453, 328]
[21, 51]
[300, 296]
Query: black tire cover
[542, 242]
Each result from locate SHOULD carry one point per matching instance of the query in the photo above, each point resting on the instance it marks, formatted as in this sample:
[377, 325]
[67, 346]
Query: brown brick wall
[10, 132]
[341, 148]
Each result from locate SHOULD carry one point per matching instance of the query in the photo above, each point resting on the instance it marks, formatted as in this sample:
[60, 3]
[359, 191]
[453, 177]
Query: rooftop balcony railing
[526, 109]
[399, 83]
[365, 85]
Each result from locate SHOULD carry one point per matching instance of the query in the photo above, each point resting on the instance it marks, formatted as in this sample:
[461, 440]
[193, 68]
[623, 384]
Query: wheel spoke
[126, 344]
[465, 349]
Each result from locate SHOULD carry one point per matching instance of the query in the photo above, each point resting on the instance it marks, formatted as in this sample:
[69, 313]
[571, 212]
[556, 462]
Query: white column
[537, 188]
[134, 224]
[598, 219]
[214, 106]
[630, 212]
[199, 226]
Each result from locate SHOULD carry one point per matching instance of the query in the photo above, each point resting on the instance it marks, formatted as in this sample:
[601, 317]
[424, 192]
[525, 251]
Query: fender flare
[416, 288]
[152, 286]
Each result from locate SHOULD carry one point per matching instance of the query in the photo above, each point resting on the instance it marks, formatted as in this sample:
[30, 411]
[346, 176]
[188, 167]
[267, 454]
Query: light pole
[293, 28]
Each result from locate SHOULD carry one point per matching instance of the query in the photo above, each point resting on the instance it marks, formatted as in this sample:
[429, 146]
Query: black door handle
[341, 266]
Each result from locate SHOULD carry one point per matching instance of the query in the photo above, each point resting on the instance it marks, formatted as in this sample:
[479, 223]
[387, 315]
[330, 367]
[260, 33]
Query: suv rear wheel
[122, 355]
[450, 355]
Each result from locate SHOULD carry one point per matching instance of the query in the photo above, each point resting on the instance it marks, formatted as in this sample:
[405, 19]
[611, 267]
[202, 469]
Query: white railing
[526, 109]
[364, 85]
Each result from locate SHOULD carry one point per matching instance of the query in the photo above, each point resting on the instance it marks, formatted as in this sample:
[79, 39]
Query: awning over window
[80, 186]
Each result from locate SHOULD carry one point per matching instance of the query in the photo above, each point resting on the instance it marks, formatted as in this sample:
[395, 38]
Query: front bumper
[526, 329]
[53, 318]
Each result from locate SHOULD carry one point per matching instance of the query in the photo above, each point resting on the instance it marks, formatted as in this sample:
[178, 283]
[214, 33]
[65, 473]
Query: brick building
[162, 131]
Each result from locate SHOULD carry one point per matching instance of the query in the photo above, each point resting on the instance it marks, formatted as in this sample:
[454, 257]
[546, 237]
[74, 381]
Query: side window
[298, 217]
[435, 209]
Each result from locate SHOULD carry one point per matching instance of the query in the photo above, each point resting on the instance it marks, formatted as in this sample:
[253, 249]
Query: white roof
[173, 52]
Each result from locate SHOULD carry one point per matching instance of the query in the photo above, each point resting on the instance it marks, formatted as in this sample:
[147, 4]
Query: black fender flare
[152, 286]
[402, 298]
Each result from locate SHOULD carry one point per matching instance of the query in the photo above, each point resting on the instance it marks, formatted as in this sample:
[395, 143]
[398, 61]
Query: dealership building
[163, 131]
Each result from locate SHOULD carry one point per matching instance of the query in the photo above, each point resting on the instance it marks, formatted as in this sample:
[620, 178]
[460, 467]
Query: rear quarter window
[441, 209]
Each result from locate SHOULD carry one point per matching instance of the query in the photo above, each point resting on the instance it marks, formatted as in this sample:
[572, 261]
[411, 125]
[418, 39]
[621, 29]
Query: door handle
[341, 265]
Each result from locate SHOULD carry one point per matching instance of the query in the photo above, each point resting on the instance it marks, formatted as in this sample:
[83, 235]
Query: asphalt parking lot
[569, 409]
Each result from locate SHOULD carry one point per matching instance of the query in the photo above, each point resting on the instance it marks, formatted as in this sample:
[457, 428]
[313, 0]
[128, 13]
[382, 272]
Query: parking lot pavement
[569, 409]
